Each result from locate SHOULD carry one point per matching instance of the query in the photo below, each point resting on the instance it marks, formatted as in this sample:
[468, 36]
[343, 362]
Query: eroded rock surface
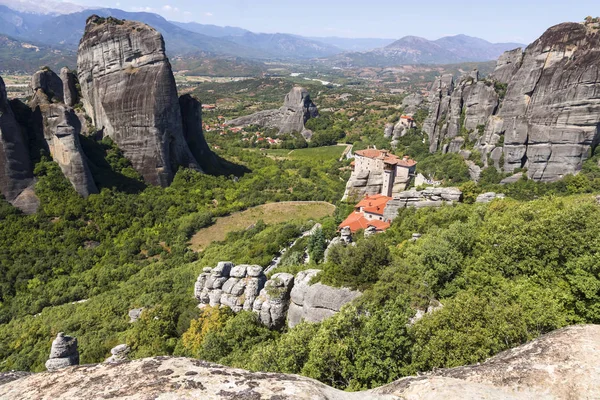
[428, 197]
[64, 353]
[291, 117]
[564, 365]
[540, 109]
[129, 91]
[16, 170]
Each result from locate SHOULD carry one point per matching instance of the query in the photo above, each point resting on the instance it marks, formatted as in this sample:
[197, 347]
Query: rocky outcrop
[49, 83]
[489, 197]
[59, 128]
[119, 354]
[64, 353]
[297, 109]
[412, 103]
[228, 285]
[548, 121]
[69, 81]
[363, 183]
[130, 94]
[316, 302]
[562, 365]
[428, 197]
[191, 114]
[16, 170]
[135, 314]
[274, 299]
[246, 288]
[459, 112]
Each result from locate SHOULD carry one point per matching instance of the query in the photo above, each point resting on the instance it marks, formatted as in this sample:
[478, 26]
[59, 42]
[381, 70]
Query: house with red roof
[368, 212]
[397, 172]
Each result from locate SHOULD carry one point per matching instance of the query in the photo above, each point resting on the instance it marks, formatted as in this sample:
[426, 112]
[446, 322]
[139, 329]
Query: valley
[198, 210]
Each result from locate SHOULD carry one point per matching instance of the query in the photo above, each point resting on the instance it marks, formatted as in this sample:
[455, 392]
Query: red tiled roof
[374, 204]
[407, 117]
[387, 157]
[357, 221]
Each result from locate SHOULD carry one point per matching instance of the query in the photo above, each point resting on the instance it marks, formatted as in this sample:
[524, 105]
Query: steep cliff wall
[16, 170]
[129, 91]
[540, 109]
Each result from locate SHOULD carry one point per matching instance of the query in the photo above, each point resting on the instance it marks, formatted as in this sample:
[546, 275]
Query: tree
[316, 246]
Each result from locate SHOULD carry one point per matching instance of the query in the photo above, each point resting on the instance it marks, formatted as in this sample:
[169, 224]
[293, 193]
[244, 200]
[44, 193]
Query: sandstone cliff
[129, 91]
[540, 110]
[564, 364]
[291, 117]
[16, 170]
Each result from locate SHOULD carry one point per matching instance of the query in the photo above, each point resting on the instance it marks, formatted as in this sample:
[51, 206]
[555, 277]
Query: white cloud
[208, 14]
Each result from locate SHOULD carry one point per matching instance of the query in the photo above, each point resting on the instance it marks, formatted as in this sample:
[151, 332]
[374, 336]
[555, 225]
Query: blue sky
[499, 21]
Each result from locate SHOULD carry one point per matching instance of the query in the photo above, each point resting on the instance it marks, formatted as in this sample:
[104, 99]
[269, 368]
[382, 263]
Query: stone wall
[429, 197]
[277, 300]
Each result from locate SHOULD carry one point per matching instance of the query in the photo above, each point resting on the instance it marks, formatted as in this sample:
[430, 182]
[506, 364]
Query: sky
[519, 21]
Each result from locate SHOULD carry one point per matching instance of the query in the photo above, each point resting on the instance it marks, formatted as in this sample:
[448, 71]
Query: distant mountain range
[418, 50]
[59, 25]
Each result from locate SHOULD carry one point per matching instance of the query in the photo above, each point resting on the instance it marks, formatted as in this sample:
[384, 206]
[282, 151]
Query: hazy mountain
[211, 30]
[16, 23]
[19, 55]
[281, 45]
[418, 50]
[43, 7]
[68, 30]
[354, 44]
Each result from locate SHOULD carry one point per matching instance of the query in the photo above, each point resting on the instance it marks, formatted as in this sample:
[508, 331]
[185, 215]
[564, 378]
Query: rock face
[50, 84]
[363, 183]
[274, 299]
[245, 287]
[69, 81]
[228, 285]
[429, 197]
[549, 119]
[297, 109]
[191, 114]
[459, 112]
[412, 103]
[60, 128]
[16, 171]
[63, 354]
[564, 364]
[315, 303]
[129, 91]
[489, 197]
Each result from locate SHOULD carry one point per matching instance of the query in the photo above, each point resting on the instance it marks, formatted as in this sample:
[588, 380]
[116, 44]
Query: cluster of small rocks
[245, 287]
[64, 353]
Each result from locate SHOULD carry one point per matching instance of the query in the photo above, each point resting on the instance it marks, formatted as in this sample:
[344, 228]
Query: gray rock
[254, 271]
[49, 83]
[273, 301]
[297, 109]
[508, 64]
[191, 114]
[64, 353]
[412, 103]
[69, 80]
[115, 63]
[229, 284]
[238, 271]
[222, 269]
[119, 353]
[489, 197]
[135, 314]
[59, 128]
[16, 170]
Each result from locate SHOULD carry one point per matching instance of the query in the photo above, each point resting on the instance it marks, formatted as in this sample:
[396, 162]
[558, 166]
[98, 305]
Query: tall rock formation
[64, 353]
[191, 114]
[69, 82]
[129, 91]
[16, 170]
[291, 117]
[540, 109]
[58, 127]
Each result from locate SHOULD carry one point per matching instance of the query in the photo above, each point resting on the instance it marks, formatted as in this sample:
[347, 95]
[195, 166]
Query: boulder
[119, 354]
[135, 314]
[291, 117]
[115, 63]
[489, 197]
[273, 301]
[64, 353]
